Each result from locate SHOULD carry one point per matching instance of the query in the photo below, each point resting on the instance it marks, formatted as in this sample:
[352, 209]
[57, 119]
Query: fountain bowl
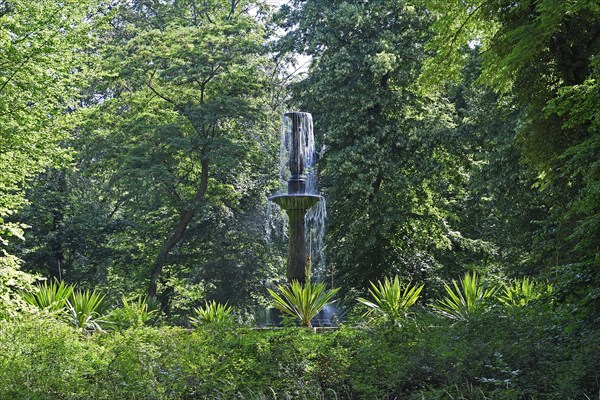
[295, 201]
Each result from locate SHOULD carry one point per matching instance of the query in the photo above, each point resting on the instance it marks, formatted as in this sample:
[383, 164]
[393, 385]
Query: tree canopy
[140, 141]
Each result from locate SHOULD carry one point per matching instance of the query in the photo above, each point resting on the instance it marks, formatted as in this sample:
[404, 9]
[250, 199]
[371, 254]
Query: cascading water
[315, 237]
[304, 144]
[305, 222]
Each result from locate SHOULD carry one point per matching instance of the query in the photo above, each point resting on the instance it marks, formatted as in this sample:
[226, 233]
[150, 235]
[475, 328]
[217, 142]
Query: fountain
[298, 143]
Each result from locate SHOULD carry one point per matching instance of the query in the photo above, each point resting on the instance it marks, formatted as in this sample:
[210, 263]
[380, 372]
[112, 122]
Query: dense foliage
[386, 174]
[521, 353]
[173, 158]
[459, 148]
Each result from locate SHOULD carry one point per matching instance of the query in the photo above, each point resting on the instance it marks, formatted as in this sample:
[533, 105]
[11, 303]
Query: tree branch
[460, 29]
[165, 98]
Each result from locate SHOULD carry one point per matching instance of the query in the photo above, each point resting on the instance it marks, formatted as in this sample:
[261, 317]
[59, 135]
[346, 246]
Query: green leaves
[303, 303]
[85, 308]
[50, 295]
[519, 292]
[41, 48]
[182, 134]
[81, 308]
[391, 299]
[211, 313]
[134, 313]
[386, 171]
[13, 282]
[465, 299]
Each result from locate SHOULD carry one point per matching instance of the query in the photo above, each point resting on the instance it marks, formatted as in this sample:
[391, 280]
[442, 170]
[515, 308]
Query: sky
[302, 60]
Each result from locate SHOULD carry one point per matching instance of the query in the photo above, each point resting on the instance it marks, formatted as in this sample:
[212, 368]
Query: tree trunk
[185, 218]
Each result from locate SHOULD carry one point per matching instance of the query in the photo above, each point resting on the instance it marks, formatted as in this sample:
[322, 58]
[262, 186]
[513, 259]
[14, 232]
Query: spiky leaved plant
[51, 296]
[465, 299]
[519, 292]
[211, 313]
[85, 308]
[133, 313]
[391, 299]
[303, 302]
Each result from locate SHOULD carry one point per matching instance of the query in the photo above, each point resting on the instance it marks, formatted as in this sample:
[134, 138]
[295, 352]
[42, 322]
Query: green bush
[211, 313]
[520, 292]
[80, 308]
[303, 302]
[45, 359]
[50, 295]
[390, 299]
[506, 353]
[85, 308]
[133, 313]
[465, 299]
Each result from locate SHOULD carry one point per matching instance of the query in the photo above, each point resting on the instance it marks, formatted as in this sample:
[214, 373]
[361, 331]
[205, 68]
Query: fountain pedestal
[296, 206]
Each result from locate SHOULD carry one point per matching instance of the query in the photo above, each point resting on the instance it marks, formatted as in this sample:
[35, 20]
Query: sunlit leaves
[519, 292]
[211, 313]
[466, 299]
[391, 299]
[51, 296]
[85, 308]
[303, 302]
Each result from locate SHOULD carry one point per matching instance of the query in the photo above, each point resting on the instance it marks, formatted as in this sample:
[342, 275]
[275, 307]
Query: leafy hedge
[526, 355]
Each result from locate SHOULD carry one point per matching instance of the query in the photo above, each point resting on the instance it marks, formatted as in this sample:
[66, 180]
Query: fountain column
[296, 183]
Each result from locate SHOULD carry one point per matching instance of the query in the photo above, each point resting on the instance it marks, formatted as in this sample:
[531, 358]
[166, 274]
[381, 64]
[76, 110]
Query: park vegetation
[459, 148]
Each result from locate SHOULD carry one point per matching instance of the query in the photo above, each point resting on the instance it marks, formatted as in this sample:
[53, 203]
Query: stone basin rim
[295, 201]
[308, 195]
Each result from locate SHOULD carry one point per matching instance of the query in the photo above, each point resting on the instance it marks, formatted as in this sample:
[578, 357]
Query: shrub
[303, 303]
[85, 308]
[42, 358]
[211, 313]
[80, 308]
[390, 299]
[133, 313]
[520, 292]
[50, 295]
[465, 300]
[13, 282]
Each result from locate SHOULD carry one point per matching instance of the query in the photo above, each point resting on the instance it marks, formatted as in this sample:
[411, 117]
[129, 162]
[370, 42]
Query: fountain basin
[295, 201]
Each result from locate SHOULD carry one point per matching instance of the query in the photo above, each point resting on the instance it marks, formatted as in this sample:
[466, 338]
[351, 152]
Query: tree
[541, 52]
[40, 48]
[544, 54]
[386, 173]
[500, 206]
[185, 127]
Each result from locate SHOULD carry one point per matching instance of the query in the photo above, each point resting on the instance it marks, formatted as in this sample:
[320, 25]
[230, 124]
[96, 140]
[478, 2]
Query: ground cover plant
[508, 353]
[512, 350]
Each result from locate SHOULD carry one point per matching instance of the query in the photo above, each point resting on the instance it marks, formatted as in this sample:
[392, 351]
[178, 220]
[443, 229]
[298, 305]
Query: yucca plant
[465, 299]
[303, 303]
[85, 308]
[134, 313]
[519, 292]
[211, 313]
[50, 296]
[391, 299]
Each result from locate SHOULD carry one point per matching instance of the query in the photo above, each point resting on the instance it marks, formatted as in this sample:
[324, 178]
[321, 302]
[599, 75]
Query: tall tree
[186, 122]
[386, 174]
[500, 205]
[40, 47]
[545, 54]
